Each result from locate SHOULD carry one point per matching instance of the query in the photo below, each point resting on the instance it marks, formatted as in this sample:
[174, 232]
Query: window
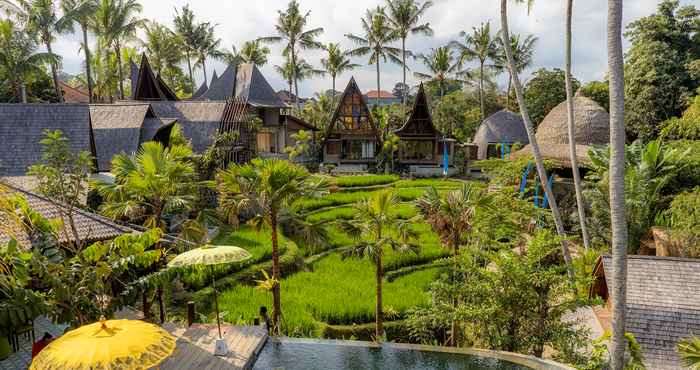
[357, 150]
[266, 142]
[417, 150]
[333, 148]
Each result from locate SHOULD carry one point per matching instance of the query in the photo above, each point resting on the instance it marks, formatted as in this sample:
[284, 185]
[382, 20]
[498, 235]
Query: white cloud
[241, 20]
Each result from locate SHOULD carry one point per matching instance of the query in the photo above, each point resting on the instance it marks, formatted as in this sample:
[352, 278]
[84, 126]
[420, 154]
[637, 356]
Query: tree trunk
[204, 69]
[510, 87]
[333, 89]
[618, 219]
[276, 305]
[88, 64]
[117, 50]
[294, 76]
[161, 303]
[145, 305]
[481, 90]
[454, 330]
[54, 74]
[378, 83]
[23, 92]
[580, 204]
[189, 67]
[403, 55]
[542, 172]
[379, 315]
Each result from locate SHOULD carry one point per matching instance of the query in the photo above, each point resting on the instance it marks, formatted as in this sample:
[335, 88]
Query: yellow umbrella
[211, 255]
[108, 344]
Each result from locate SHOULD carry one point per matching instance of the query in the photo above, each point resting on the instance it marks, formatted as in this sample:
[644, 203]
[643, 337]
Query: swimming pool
[305, 354]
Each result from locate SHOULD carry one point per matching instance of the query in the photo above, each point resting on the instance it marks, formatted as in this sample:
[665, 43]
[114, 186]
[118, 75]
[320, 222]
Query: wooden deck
[195, 347]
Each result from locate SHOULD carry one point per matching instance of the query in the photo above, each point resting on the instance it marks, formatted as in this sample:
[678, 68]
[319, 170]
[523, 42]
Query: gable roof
[420, 122]
[294, 120]
[22, 128]
[503, 126]
[72, 94]
[223, 87]
[663, 305]
[134, 73]
[199, 120]
[117, 128]
[244, 81]
[149, 86]
[90, 227]
[350, 89]
[200, 91]
[214, 77]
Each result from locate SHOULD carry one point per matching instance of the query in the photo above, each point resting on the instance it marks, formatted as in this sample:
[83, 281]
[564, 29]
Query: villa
[385, 98]
[502, 129]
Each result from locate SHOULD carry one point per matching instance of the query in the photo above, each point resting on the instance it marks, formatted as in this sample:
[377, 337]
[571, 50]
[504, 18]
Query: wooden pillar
[190, 313]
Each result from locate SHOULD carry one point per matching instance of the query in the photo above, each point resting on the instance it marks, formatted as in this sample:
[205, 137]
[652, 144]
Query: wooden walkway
[195, 348]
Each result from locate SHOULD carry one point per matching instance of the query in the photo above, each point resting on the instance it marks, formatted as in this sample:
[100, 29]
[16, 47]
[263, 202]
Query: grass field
[330, 289]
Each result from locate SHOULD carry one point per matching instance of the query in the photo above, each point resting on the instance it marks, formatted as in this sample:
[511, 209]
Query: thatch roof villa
[592, 127]
[663, 305]
[502, 127]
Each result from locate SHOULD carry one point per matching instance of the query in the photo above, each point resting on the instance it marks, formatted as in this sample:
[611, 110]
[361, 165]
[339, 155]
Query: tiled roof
[663, 305]
[199, 120]
[243, 81]
[72, 94]
[372, 94]
[90, 227]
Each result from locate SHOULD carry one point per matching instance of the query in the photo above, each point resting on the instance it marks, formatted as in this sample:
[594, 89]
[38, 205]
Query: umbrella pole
[216, 301]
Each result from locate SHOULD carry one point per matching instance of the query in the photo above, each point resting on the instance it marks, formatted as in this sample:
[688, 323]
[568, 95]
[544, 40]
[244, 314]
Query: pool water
[298, 355]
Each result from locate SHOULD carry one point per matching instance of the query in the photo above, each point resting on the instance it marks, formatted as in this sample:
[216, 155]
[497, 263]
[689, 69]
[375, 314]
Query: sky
[242, 20]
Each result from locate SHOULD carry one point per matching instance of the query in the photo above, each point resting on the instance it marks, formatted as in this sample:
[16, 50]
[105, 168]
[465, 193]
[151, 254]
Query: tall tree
[479, 44]
[81, 12]
[268, 187]
[529, 127]
[41, 19]
[19, 59]
[336, 62]
[404, 17]
[371, 219]
[378, 34]
[545, 90]
[190, 33]
[292, 29]
[523, 51]
[208, 46]
[252, 52]
[441, 64]
[116, 21]
[164, 49]
[618, 218]
[570, 127]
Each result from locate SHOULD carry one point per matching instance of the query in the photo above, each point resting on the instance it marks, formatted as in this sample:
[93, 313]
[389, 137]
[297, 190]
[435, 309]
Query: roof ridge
[659, 258]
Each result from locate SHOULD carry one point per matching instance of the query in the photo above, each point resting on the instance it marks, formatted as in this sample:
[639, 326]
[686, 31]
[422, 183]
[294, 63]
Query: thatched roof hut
[591, 127]
[501, 127]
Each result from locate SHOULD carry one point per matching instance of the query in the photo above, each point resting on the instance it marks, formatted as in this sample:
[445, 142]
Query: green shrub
[683, 216]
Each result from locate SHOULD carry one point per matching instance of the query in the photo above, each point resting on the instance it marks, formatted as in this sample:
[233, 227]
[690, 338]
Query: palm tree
[404, 16]
[452, 218]
[570, 126]
[81, 12]
[441, 63]
[268, 187]
[378, 34]
[190, 33]
[371, 218]
[336, 62]
[208, 46]
[252, 52]
[164, 49]
[618, 218]
[478, 45]
[116, 21]
[529, 127]
[523, 52]
[155, 182]
[19, 60]
[41, 19]
[291, 28]
[689, 350]
[303, 71]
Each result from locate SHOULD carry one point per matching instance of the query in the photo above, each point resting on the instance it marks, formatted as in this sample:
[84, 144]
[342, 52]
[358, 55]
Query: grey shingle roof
[222, 88]
[22, 128]
[663, 304]
[91, 227]
[200, 91]
[244, 81]
[199, 120]
[501, 127]
[117, 128]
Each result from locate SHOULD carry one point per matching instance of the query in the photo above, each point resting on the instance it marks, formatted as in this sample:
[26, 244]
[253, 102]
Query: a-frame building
[420, 142]
[149, 87]
[352, 136]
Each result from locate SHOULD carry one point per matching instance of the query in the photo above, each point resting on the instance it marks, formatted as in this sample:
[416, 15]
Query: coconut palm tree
[164, 48]
[369, 226]
[251, 52]
[441, 64]
[267, 188]
[336, 62]
[523, 51]
[452, 218]
[291, 29]
[81, 12]
[116, 22]
[208, 46]
[41, 19]
[479, 44]
[302, 70]
[378, 34]
[570, 126]
[190, 33]
[404, 17]
[618, 218]
[529, 127]
[19, 60]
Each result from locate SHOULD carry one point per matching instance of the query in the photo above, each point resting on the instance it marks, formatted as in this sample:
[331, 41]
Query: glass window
[417, 150]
